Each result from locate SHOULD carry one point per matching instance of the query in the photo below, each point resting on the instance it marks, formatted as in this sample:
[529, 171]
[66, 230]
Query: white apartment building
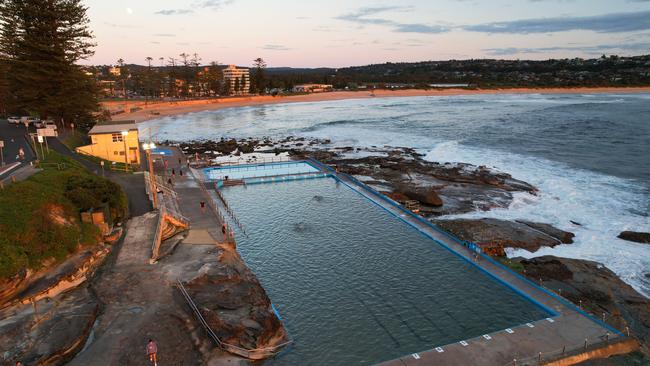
[232, 74]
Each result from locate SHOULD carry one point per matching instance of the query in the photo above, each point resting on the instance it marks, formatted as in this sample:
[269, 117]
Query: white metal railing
[230, 211]
[230, 234]
[248, 160]
[255, 354]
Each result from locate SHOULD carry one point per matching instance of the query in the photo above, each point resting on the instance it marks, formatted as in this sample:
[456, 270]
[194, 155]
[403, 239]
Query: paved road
[14, 139]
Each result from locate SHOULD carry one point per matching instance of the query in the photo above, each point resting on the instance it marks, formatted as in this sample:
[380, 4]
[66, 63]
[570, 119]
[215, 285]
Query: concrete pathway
[205, 226]
[140, 303]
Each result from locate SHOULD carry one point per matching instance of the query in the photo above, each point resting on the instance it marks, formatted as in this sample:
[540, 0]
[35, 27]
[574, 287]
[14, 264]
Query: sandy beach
[153, 110]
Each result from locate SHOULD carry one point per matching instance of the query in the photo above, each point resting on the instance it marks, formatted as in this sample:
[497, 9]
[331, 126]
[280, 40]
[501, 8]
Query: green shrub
[40, 216]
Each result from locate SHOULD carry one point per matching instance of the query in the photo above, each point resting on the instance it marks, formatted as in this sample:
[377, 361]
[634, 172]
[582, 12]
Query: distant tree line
[486, 73]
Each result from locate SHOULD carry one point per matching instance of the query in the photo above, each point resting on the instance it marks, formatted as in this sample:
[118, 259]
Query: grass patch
[39, 217]
[110, 165]
[74, 140]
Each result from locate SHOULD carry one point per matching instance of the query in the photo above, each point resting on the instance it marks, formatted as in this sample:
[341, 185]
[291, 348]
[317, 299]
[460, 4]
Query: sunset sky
[334, 33]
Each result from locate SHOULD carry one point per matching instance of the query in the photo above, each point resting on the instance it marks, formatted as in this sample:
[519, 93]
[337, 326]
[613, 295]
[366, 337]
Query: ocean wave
[602, 204]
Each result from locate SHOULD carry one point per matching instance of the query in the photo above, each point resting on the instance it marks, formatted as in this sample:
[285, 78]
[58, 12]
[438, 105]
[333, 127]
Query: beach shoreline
[153, 110]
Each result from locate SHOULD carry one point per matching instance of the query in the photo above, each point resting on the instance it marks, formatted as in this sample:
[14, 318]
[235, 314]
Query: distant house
[238, 80]
[114, 141]
[312, 88]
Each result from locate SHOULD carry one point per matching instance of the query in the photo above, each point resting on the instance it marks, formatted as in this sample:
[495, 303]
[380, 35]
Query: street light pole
[152, 178]
[126, 152]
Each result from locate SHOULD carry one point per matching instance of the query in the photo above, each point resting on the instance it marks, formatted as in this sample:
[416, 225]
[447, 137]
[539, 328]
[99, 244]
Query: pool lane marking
[396, 314]
[378, 321]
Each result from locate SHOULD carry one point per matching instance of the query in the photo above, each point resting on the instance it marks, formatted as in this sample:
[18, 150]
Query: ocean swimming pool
[246, 171]
[355, 285]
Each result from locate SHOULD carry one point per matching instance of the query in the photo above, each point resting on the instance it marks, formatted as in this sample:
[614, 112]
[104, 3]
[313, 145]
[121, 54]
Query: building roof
[113, 127]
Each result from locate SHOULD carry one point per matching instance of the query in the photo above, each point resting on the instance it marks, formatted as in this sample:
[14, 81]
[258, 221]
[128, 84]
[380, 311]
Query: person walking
[202, 207]
[152, 350]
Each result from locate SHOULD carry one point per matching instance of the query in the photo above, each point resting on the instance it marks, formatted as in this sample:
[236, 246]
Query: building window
[117, 137]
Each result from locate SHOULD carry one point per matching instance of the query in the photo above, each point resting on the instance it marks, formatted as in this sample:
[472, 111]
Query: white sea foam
[603, 205]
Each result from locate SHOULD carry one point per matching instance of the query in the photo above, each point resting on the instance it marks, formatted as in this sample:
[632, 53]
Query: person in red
[152, 349]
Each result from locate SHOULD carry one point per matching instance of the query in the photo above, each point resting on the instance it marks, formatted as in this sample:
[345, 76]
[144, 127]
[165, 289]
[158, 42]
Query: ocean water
[588, 154]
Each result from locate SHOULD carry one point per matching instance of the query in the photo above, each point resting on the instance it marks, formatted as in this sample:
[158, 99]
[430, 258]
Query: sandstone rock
[509, 234]
[427, 195]
[62, 327]
[234, 303]
[637, 237]
[564, 236]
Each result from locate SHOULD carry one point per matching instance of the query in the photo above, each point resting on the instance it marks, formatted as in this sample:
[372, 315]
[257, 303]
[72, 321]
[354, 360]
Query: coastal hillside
[40, 217]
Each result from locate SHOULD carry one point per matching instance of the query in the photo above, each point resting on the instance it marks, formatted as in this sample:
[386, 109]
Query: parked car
[14, 120]
[49, 124]
[29, 120]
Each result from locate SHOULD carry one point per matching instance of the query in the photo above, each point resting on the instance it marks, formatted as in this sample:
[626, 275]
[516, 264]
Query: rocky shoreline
[47, 317]
[445, 188]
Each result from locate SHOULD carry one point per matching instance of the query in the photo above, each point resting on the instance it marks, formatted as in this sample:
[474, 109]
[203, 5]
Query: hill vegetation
[40, 216]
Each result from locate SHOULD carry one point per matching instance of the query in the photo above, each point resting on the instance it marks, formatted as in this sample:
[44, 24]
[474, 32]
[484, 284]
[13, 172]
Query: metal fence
[245, 160]
[230, 234]
[544, 357]
[253, 354]
[230, 211]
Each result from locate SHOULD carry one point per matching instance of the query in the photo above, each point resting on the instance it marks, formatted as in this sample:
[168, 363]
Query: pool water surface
[246, 171]
[355, 285]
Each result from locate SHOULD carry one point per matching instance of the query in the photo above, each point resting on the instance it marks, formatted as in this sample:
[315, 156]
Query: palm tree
[120, 62]
[148, 79]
